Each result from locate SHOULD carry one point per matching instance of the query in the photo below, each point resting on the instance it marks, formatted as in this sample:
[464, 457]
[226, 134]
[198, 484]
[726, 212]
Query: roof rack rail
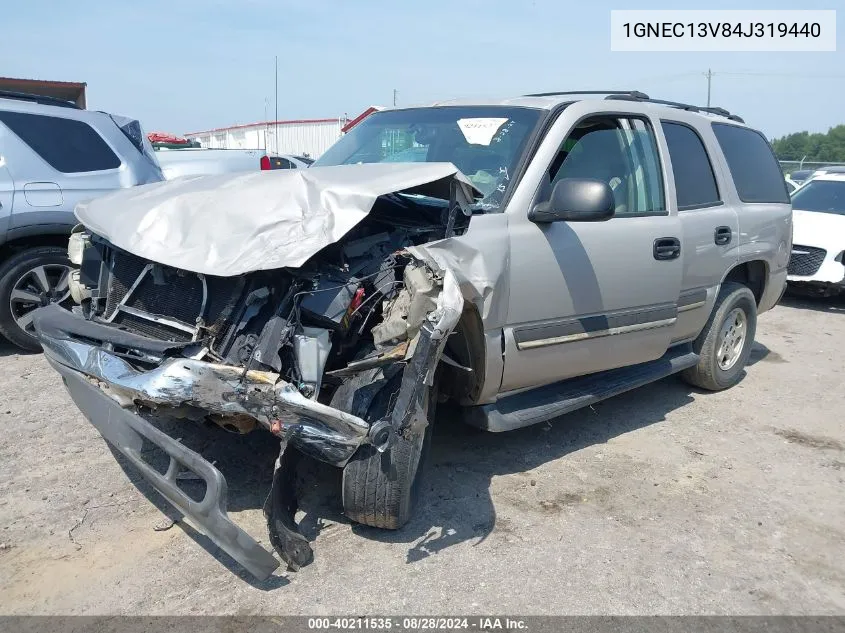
[678, 104]
[42, 99]
[634, 94]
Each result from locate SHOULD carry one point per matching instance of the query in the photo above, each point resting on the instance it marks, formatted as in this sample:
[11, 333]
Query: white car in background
[818, 236]
[824, 171]
[199, 161]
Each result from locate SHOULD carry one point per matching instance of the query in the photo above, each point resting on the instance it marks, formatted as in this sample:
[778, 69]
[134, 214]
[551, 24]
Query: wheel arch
[466, 346]
[753, 274]
[22, 243]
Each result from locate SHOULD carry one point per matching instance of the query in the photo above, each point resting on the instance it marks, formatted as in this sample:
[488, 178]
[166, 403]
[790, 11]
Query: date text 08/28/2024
[417, 623]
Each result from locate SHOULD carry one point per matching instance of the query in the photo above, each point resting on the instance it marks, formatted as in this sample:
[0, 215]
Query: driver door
[591, 296]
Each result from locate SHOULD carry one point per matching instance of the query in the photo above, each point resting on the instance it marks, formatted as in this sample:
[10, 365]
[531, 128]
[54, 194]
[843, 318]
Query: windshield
[824, 196]
[484, 142]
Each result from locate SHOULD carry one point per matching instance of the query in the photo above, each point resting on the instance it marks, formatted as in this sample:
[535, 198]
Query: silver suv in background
[52, 156]
[525, 258]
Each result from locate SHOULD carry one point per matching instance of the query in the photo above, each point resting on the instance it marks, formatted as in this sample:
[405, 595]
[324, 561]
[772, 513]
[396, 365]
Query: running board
[548, 402]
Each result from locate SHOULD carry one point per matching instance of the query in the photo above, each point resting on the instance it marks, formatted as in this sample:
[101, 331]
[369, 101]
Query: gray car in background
[521, 258]
[52, 156]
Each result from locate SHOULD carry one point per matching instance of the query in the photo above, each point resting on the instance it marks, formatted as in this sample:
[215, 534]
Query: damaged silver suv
[522, 258]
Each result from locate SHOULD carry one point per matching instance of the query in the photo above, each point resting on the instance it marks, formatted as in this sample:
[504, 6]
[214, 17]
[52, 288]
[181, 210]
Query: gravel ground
[663, 500]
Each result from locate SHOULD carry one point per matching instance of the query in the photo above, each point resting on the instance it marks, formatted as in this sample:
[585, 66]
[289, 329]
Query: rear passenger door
[763, 203]
[710, 225]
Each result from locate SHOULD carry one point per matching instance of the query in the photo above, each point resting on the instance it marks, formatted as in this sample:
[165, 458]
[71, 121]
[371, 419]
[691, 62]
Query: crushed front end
[265, 349]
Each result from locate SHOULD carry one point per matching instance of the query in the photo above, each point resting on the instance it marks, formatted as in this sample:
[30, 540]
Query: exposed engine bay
[272, 348]
[309, 325]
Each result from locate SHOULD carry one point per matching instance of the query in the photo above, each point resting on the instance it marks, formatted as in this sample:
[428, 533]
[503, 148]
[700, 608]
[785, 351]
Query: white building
[300, 137]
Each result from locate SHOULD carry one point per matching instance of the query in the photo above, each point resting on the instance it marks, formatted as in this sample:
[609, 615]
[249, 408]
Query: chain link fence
[789, 166]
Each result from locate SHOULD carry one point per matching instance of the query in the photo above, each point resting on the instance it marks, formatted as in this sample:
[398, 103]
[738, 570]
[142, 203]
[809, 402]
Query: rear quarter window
[67, 145]
[754, 168]
[695, 184]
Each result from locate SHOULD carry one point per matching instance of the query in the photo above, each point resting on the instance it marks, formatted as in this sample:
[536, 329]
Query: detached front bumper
[127, 431]
[106, 388]
[318, 430]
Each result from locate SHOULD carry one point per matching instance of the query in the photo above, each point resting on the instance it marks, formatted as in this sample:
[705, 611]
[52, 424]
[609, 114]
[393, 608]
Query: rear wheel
[725, 343]
[382, 489]
[29, 280]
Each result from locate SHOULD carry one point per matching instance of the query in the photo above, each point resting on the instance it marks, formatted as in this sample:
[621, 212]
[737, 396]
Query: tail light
[265, 163]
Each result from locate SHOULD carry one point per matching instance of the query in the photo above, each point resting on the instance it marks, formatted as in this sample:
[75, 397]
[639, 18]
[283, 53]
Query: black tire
[11, 271]
[382, 489]
[708, 373]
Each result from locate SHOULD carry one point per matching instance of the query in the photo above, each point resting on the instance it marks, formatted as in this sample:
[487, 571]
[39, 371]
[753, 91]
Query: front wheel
[382, 489]
[31, 279]
[724, 344]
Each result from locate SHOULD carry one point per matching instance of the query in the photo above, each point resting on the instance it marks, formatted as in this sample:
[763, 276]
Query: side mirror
[576, 200]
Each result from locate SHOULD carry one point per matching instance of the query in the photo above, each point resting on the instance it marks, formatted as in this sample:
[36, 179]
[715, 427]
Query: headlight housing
[78, 242]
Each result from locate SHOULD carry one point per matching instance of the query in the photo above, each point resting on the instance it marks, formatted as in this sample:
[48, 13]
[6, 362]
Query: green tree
[828, 147]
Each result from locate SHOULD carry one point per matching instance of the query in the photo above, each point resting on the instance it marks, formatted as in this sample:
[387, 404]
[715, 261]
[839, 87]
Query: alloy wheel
[36, 288]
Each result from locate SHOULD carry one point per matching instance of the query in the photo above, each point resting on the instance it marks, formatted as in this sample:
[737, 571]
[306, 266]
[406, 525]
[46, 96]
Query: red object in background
[164, 137]
[265, 162]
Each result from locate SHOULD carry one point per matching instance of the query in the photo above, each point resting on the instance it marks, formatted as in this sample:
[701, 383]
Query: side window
[285, 164]
[754, 168]
[695, 184]
[67, 145]
[620, 152]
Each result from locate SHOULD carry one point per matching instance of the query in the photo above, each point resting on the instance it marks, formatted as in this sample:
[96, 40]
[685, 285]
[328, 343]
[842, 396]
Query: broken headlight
[79, 240]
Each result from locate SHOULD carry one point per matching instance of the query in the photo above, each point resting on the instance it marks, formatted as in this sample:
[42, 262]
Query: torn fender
[479, 261]
[230, 224]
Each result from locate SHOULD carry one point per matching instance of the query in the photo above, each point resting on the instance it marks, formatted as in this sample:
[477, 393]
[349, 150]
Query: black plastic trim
[548, 402]
[594, 323]
[689, 297]
[59, 323]
[703, 205]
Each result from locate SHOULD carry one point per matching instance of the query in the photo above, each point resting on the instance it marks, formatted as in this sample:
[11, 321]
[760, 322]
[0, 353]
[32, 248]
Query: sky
[188, 65]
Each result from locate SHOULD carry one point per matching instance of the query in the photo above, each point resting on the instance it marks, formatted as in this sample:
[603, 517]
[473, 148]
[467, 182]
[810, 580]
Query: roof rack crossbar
[683, 106]
[632, 93]
[42, 99]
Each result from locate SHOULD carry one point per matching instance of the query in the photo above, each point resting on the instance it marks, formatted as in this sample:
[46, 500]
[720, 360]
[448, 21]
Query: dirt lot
[664, 500]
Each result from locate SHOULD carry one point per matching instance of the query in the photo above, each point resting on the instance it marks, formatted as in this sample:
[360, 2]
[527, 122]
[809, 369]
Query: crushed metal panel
[479, 259]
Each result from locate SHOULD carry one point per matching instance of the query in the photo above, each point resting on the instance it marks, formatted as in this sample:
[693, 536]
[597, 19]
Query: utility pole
[709, 75]
[276, 119]
[395, 92]
[266, 122]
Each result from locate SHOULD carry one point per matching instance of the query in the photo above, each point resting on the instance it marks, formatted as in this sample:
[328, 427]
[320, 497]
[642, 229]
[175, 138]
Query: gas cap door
[43, 194]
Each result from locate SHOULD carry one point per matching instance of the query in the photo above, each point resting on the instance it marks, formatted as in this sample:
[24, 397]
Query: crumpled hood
[231, 224]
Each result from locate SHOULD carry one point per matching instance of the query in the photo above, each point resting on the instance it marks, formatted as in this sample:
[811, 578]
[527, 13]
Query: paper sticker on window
[480, 131]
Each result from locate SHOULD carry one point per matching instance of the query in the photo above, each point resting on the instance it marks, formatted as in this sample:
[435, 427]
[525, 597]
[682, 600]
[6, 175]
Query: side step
[544, 403]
